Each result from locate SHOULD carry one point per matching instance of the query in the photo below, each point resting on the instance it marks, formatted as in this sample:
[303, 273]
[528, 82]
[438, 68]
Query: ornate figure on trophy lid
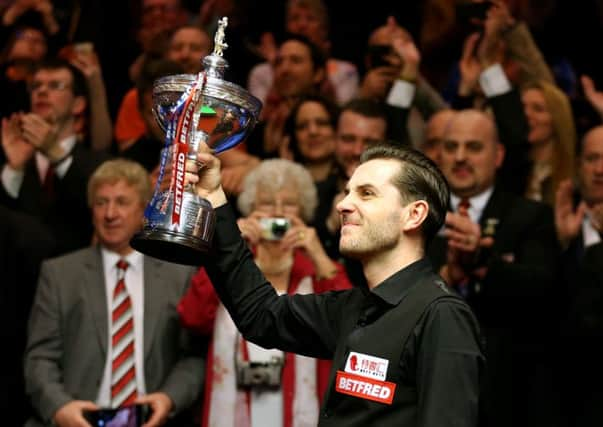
[192, 109]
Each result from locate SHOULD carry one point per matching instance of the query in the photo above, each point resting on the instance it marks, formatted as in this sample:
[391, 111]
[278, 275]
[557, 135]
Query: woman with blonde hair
[552, 139]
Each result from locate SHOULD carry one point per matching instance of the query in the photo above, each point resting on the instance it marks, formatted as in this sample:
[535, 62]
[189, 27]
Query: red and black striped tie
[123, 370]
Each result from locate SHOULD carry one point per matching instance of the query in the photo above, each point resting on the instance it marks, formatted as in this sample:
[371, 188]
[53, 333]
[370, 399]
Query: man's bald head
[471, 153]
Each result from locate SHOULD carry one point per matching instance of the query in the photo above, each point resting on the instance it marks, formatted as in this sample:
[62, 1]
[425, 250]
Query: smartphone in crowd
[127, 416]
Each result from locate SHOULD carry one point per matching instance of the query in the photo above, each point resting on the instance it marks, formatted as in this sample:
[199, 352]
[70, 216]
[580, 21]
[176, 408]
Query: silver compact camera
[260, 374]
[274, 228]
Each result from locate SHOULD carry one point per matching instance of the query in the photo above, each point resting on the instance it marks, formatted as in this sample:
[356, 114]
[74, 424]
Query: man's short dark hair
[79, 87]
[366, 107]
[419, 179]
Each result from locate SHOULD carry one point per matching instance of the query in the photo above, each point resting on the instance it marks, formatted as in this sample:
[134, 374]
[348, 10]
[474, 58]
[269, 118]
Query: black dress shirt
[408, 335]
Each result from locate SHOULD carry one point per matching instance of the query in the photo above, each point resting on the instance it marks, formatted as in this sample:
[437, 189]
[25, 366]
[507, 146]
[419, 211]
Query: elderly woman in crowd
[247, 385]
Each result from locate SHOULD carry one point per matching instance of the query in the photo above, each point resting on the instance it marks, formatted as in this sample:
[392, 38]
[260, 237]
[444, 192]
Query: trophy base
[171, 246]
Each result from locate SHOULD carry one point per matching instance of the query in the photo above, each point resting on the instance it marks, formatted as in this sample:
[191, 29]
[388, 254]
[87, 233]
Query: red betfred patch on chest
[364, 377]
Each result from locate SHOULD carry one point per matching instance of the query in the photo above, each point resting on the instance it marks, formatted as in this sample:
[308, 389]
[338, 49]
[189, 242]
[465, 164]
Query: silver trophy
[192, 109]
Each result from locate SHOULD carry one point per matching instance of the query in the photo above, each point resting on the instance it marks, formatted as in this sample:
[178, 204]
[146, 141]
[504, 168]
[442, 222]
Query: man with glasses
[46, 167]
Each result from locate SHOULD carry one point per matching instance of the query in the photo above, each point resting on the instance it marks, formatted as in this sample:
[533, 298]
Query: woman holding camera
[247, 385]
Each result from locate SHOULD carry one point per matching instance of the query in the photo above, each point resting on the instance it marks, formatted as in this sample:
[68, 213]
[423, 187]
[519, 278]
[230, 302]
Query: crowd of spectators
[496, 94]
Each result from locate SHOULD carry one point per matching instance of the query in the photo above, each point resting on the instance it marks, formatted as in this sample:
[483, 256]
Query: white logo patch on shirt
[366, 366]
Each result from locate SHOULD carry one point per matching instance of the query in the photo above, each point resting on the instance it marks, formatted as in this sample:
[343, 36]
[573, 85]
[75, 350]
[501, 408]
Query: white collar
[478, 203]
[134, 259]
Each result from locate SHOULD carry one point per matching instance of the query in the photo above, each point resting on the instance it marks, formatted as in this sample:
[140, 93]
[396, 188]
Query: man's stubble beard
[373, 240]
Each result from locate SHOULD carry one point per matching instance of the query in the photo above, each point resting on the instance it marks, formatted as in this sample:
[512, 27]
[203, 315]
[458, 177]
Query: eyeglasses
[29, 36]
[54, 85]
[278, 205]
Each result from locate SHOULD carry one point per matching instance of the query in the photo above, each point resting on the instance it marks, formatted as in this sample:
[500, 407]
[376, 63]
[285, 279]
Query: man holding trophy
[407, 352]
[192, 109]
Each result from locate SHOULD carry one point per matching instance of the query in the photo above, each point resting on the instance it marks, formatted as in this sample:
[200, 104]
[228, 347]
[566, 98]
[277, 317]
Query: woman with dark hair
[310, 134]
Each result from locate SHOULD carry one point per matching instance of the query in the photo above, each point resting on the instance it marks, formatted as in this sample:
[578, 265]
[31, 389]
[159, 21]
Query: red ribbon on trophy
[181, 147]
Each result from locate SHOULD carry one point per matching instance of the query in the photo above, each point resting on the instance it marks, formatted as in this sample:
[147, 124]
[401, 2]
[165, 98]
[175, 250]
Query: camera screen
[129, 416]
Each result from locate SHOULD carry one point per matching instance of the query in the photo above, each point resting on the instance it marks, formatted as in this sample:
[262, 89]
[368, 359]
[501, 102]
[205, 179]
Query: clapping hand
[16, 148]
[567, 219]
[469, 66]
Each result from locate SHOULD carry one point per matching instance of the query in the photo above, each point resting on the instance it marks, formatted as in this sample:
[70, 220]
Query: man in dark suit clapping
[499, 251]
[579, 222]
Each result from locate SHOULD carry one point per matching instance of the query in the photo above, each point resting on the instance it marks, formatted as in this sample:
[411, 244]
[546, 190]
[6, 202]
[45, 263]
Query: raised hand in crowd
[469, 67]
[16, 148]
[274, 132]
[43, 7]
[379, 76]
[266, 48]
[377, 81]
[594, 97]
[208, 11]
[498, 18]
[84, 58]
[489, 48]
[411, 57]
[568, 219]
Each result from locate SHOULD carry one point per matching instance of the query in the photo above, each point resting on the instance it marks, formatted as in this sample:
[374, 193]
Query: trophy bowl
[192, 109]
[234, 115]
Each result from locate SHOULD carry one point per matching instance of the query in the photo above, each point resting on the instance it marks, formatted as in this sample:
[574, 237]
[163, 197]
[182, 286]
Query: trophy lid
[214, 64]
[169, 92]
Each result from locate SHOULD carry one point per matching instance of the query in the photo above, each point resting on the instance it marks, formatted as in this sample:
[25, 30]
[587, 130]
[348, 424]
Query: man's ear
[414, 215]
[79, 105]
